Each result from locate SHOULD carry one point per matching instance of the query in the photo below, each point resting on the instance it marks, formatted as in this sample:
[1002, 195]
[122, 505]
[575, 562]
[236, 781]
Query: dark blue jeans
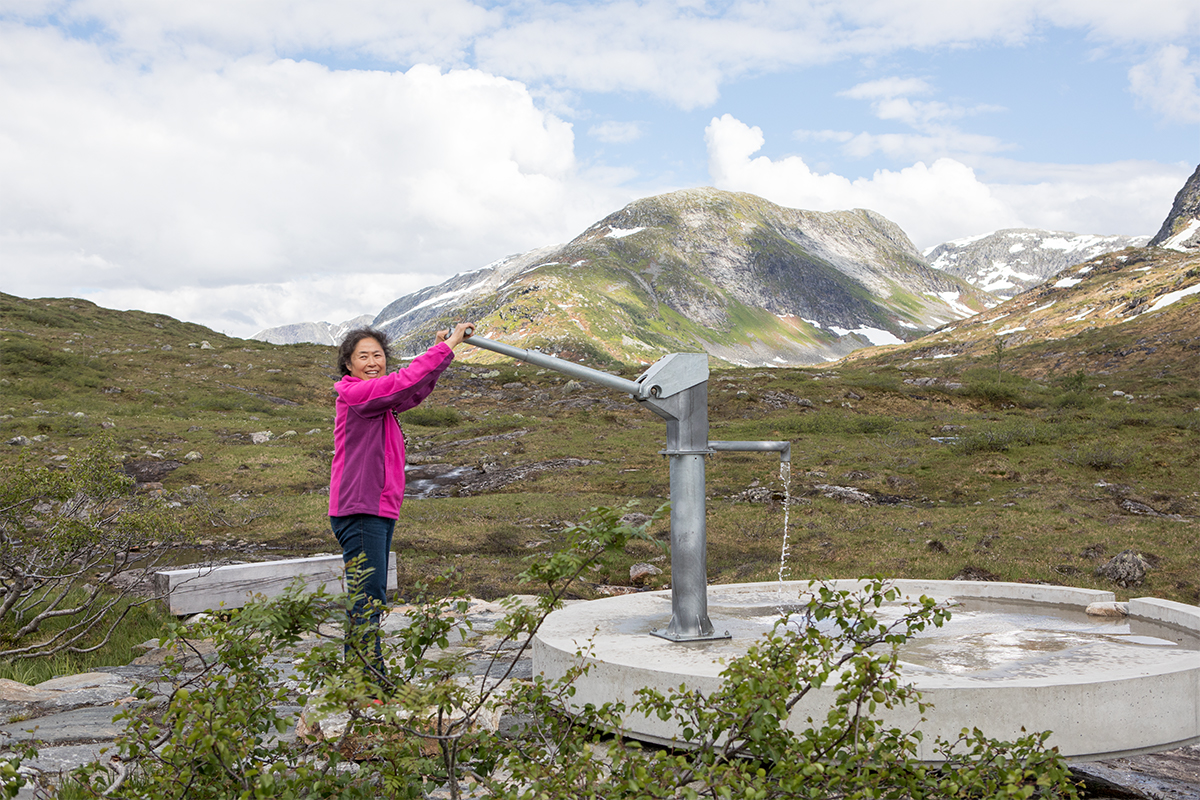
[370, 536]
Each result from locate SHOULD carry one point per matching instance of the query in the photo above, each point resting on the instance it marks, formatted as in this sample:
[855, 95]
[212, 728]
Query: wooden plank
[194, 589]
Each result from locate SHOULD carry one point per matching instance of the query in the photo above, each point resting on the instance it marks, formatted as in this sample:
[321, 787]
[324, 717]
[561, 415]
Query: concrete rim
[1103, 693]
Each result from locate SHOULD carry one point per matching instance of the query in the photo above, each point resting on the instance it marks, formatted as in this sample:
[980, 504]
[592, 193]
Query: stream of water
[785, 477]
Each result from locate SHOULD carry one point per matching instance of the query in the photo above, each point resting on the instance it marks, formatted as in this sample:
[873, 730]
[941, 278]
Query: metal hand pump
[675, 388]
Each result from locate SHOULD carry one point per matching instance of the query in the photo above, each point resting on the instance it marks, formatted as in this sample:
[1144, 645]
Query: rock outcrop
[1181, 229]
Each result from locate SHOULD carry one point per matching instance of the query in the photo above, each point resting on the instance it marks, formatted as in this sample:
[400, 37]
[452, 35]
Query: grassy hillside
[973, 468]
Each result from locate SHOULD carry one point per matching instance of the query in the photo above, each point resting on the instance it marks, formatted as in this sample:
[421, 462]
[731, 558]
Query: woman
[366, 485]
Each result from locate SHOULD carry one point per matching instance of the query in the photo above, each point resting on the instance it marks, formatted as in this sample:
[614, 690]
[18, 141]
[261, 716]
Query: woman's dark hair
[351, 340]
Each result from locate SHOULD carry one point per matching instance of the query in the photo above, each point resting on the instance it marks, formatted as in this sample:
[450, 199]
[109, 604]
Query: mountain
[1008, 262]
[1181, 229]
[1136, 308]
[311, 332]
[746, 281]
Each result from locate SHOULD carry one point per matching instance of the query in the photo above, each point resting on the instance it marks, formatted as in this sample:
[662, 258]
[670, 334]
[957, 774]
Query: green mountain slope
[747, 281]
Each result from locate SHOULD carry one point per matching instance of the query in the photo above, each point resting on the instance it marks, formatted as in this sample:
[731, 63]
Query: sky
[250, 163]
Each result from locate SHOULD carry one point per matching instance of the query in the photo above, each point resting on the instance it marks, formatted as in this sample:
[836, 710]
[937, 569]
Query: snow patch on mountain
[1008, 262]
[1177, 242]
[876, 336]
[621, 233]
[1173, 297]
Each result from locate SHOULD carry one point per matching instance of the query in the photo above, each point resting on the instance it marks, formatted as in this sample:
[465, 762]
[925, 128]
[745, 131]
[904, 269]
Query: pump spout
[783, 448]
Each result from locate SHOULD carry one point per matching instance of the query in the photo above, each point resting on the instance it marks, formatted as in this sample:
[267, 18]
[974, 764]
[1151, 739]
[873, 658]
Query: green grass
[143, 622]
[1033, 474]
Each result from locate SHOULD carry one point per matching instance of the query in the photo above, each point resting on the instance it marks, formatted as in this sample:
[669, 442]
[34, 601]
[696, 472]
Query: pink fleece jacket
[367, 476]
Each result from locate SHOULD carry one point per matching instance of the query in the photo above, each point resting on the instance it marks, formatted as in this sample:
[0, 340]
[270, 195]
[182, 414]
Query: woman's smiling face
[368, 360]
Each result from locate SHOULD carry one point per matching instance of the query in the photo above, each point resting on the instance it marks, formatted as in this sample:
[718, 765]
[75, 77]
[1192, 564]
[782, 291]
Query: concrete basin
[1012, 656]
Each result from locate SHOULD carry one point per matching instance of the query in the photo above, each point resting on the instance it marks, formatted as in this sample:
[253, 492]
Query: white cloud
[269, 171]
[932, 203]
[173, 150]
[1168, 84]
[887, 88]
[936, 137]
[616, 132]
[685, 52]
[679, 51]
[245, 309]
[938, 142]
[401, 33]
[653, 47]
[946, 200]
[923, 23]
[1123, 197]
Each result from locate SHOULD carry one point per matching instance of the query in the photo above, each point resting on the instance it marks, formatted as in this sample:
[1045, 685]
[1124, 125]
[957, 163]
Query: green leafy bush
[1076, 382]
[69, 539]
[740, 742]
[216, 734]
[999, 395]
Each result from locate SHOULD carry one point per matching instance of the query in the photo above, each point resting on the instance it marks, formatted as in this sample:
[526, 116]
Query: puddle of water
[421, 480]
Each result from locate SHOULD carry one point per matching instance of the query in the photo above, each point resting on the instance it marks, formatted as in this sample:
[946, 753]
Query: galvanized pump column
[682, 400]
[675, 388]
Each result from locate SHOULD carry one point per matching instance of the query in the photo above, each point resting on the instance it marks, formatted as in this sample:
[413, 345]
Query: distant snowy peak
[1181, 229]
[1007, 262]
[312, 332]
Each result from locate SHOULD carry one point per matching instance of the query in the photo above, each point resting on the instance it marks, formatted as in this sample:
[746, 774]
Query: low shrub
[215, 735]
[1073, 399]
[73, 543]
[993, 393]
[1100, 457]
[833, 423]
[997, 438]
[431, 417]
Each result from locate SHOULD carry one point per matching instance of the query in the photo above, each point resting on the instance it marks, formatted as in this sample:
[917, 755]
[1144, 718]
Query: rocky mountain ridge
[311, 332]
[1181, 229]
[745, 280]
[1008, 262]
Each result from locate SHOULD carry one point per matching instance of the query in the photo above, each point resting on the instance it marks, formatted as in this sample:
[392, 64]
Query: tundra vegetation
[1038, 472]
[1029, 475]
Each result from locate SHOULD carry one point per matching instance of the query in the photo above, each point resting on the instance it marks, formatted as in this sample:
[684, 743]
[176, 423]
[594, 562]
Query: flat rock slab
[81, 725]
[1171, 775]
[62, 694]
[64, 758]
[53, 762]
